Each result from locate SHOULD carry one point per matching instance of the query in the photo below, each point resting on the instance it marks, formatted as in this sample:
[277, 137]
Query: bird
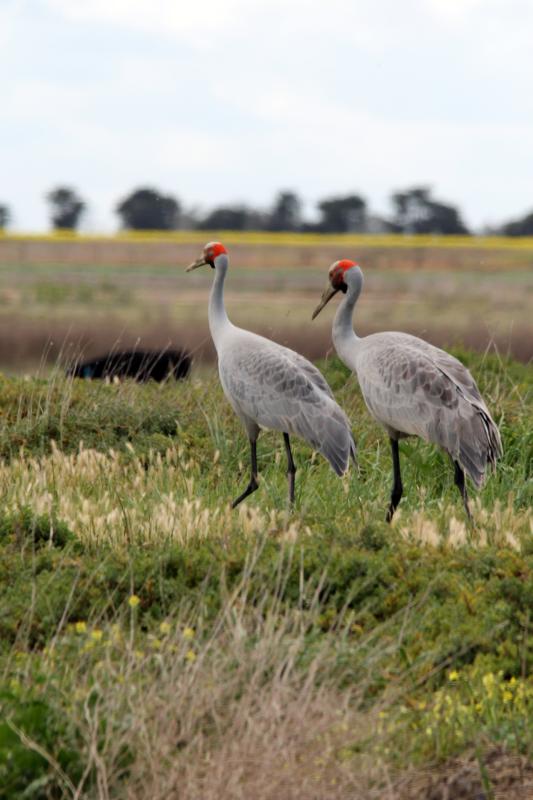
[414, 389]
[272, 387]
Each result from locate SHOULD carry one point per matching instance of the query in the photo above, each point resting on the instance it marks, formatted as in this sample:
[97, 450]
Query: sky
[230, 101]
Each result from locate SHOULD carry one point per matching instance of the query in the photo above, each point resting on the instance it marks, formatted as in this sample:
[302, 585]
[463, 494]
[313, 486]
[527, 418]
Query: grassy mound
[155, 643]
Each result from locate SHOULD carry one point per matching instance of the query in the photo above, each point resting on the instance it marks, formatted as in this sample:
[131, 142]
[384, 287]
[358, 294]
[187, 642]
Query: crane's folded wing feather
[423, 391]
[282, 391]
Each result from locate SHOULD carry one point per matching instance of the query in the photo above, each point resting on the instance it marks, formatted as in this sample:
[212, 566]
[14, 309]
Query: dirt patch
[27, 343]
[495, 776]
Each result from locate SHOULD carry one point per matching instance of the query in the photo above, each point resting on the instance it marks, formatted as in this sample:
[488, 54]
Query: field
[60, 296]
[156, 644]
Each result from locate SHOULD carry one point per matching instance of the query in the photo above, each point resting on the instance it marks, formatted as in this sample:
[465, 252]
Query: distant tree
[519, 227]
[149, 210]
[232, 218]
[66, 207]
[415, 211]
[5, 216]
[342, 214]
[286, 214]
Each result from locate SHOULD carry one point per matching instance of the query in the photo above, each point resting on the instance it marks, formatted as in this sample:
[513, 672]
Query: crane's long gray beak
[327, 294]
[200, 262]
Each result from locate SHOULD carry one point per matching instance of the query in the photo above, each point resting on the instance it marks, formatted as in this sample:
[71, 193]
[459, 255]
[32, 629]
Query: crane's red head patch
[212, 250]
[336, 273]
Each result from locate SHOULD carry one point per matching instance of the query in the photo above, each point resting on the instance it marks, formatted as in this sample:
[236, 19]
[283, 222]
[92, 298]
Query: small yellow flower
[488, 683]
[133, 601]
[454, 675]
[190, 656]
[188, 633]
[429, 731]
[155, 643]
[96, 634]
[507, 696]
[80, 627]
[139, 653]
[164, 628]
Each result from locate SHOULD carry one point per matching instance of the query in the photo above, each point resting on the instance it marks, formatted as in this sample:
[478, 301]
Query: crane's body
[414, 389]
[272, 387]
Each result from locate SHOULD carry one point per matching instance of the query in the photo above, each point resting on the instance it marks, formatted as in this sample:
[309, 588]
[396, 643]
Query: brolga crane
[270, 386]
[414, 389]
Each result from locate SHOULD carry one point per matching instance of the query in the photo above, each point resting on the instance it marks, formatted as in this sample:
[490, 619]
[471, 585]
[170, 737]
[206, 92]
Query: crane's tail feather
[480, 446]
[338, 444]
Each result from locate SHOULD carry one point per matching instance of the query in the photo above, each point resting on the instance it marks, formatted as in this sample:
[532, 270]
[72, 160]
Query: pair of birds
[411, 387]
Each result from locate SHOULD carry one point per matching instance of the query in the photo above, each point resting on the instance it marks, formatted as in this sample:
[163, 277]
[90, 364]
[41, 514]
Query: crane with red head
[413, 389]
[272, 387]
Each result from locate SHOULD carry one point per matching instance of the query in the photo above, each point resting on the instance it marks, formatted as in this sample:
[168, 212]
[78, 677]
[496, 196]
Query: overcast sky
[219, 101]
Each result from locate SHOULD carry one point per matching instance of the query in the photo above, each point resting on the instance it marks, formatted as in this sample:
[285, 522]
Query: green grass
[152, 638]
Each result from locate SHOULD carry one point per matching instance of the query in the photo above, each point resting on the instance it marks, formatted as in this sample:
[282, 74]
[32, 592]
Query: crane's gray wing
[415, 390]
[273, 389]
[312, 372]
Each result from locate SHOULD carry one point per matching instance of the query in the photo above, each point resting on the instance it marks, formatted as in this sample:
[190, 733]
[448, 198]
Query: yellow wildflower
[188, 633]
[133, 601]
[190, 656]
[81, 627]
[96, 634]
[164, 628]
[488, 682]
[454, 675]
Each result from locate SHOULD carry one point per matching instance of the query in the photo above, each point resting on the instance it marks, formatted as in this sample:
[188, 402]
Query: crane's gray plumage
[270, 386]
[414, 389]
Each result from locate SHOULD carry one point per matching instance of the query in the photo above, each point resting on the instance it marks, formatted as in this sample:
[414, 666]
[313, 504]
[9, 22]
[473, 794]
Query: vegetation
[66, 208]
[5, 216]
[156, 644]
[148, 209]
[414, 210]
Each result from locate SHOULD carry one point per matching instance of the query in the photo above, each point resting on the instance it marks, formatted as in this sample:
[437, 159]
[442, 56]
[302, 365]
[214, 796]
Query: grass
[156, 644]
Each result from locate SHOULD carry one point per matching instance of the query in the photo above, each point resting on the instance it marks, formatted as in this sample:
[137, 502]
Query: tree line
[413, 210]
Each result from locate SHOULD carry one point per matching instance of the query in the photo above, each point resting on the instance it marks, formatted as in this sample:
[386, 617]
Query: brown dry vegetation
[67, 297]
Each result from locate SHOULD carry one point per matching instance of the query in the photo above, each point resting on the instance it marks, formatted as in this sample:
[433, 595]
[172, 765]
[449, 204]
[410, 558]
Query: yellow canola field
[285, 239]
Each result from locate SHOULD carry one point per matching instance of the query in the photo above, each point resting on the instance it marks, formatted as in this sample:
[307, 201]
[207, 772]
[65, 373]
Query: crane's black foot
[395, 498]
[252, 486]
[460, 482]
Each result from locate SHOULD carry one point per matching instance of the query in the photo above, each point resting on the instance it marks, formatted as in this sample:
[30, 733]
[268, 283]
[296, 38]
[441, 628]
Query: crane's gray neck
[344, 337]
[218, 319]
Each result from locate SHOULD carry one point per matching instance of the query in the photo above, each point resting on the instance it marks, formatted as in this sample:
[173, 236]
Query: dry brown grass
[52, 302]
[281, 254]
[253, 710]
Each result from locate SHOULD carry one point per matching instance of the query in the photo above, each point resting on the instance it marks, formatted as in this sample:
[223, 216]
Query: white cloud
[231, 101]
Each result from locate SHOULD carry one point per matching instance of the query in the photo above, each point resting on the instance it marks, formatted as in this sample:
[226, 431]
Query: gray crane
[270, 386]
[414, 389]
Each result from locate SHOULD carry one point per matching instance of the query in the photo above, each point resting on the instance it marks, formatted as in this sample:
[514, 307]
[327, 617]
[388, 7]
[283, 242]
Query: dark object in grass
[141, 365]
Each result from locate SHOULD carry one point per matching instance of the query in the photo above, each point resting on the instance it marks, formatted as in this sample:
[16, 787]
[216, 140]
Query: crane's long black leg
[252, 486]
[291, 467]
[397, 487]
[459, 480]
